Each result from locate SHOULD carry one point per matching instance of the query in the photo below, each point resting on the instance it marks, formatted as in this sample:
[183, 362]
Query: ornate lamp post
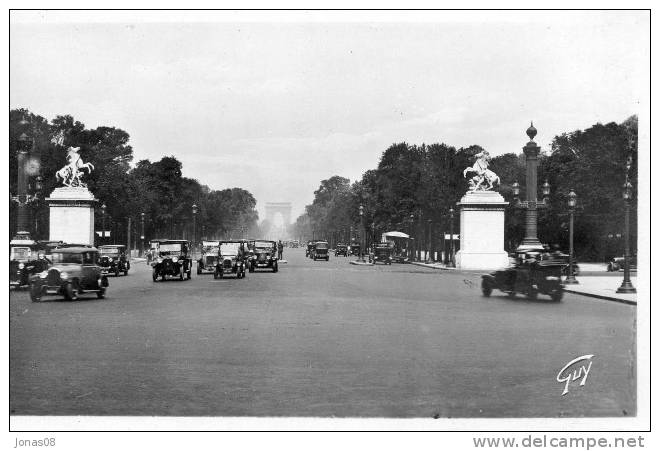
[103, 208]
[626, 285]
[362, 244]
[570, 279]
[411, 248]
[531, 204]
[22, 198]
[142, 233]
[452, 262]
[194, 234]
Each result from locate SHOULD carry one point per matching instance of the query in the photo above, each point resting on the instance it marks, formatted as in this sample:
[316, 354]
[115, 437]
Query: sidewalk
[434, 266]
[603, 288]
[359, 263]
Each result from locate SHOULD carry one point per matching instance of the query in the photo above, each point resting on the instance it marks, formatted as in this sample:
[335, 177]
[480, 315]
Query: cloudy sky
[275, 105]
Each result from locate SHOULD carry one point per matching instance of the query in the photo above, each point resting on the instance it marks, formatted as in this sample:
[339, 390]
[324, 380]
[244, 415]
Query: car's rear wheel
[557, 294]
[486, 288]
[35, 293]
[101, 293]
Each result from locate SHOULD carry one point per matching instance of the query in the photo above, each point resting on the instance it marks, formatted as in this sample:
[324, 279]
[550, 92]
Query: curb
[426, 265]
[355, 262]
[601, 296]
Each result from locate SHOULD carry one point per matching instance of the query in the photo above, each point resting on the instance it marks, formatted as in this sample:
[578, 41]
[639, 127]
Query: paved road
[317, 339]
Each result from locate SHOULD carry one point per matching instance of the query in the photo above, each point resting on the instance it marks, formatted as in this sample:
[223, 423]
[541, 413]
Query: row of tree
[415, 186]
[156, 189]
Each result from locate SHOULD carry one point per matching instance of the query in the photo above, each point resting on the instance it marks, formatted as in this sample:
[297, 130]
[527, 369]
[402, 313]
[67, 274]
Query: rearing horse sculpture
[483, 174]
[71, 173]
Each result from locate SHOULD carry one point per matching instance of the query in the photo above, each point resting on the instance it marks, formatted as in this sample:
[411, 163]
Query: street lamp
[452, 262]
[411, 249]
[362, 233]
[194, 240]
[22, 198]
[531, 204]
[103, 208]
[570, 279]
[142, 233]
[626, 285]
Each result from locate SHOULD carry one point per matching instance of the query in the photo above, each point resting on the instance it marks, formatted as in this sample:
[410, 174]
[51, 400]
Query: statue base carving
[482, 231]
[72, 215]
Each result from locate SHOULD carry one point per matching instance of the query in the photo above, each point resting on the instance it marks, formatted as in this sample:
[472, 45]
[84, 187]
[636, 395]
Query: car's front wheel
[70, 293]
[35, 293]
[486, 288]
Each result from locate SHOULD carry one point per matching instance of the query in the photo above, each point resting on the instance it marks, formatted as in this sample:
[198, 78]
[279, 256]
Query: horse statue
[483, 174]
[72, 172]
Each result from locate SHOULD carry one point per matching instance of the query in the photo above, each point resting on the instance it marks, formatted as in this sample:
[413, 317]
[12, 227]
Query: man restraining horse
[483, 174]
[70, 174]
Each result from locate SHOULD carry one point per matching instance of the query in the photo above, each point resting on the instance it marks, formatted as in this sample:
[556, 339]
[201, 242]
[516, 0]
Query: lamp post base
[626, 287]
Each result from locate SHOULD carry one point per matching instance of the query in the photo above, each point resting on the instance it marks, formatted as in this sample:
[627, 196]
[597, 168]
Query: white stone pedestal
[482, 231]
[72, 215]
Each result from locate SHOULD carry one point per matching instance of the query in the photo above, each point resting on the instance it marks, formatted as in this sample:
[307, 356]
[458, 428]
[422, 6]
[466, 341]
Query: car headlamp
[64, 275]
[175, 259]
[159, 260]
[21, 266]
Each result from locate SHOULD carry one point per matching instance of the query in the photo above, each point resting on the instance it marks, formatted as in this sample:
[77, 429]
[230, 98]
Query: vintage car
[74, 271]
[381, 253]
[618, 263]
[341, 249]
[355, 249]
[310, 248]
[231, 259]
[530, 275]
[321, 251]
[209, 257]
[112, 259]
[171, 259]
[264, 255]
[26, 258]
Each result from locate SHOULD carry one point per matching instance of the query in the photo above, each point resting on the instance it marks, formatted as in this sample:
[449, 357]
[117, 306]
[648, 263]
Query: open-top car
[381, 253]
[75, 271]
[171, 259]
[341, 249]
[533, 273]
[209, 257]
[26, 258]
[231, 259]
[264, 255]
[113, 259]
[321, 251]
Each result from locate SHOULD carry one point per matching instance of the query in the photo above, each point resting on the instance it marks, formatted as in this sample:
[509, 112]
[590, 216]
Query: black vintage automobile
[26, 258]
[264, 255]
[75, 271]
[341, 249]
[321, 251]
[355, 249]
[209, 257]
[532, 274]
[231, 259]
[113, 259]
[381, 253]
[171, 259]
[618, 263]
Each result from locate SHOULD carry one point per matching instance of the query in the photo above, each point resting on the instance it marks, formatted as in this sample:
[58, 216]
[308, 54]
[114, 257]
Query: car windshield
[321, 245]
[20, 253]
[263, 245]
[110, 251]
[64, 258]
[169, 248]
[210, 249]
[229, 248]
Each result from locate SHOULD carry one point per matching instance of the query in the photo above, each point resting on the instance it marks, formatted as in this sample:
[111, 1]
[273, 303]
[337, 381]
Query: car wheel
[70, 293]
[533, 293]
[275, 269]
[251, 267]
[117, 272]
[181, 273]
[154, 275]
[486, 288]
[101, 293]
[189, 274]
[609, 267]
[163, 277]
[216, 274]
[199, 270]
[35, 293]
[557, 294]
[126, 272]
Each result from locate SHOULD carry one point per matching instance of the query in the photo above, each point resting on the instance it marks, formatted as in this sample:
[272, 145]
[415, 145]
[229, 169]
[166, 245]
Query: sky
[275, 105]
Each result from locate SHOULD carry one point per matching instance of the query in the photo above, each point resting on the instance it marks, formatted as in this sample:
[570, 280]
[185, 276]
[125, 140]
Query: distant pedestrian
[280, 249]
